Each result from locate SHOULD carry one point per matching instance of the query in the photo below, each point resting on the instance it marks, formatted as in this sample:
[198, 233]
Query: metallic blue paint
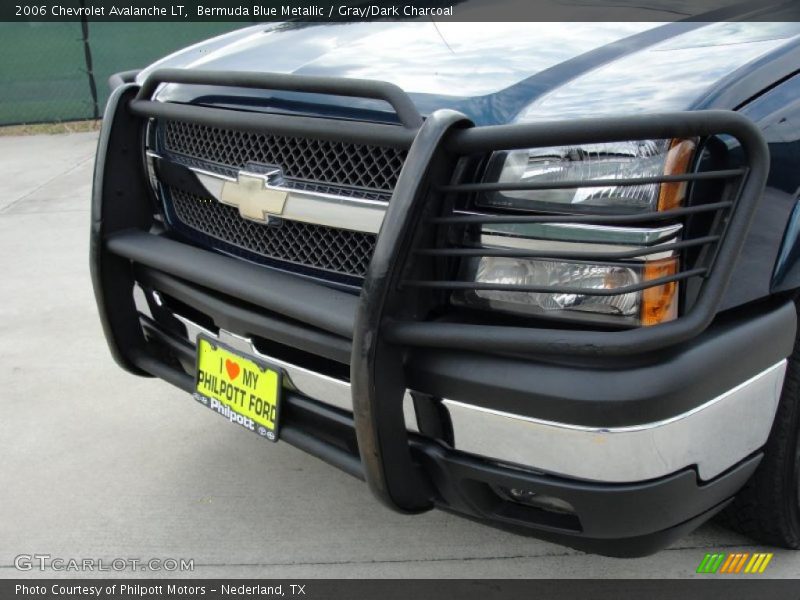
[516, 72]
[776, 229]
[492, 72]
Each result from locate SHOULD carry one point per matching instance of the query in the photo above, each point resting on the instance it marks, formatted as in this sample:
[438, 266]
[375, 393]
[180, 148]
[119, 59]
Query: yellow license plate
[239, 388]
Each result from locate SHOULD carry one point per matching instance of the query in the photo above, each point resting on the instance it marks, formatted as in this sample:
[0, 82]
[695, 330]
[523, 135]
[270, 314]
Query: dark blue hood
[492, 72]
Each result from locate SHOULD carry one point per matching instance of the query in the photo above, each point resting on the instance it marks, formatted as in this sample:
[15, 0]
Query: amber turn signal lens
[659, 303]
[671, 195]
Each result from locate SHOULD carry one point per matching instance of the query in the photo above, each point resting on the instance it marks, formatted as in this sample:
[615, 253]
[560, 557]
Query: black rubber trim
[282, 293]
[337, 86]
[629, 547]
[229, 313]
[612, 395]
[615, 519]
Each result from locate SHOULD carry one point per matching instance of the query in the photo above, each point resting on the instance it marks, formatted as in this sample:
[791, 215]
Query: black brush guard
[390, 316]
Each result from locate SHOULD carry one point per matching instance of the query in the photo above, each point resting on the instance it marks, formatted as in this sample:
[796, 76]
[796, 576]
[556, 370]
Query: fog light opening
[530, 498]
[528, 506]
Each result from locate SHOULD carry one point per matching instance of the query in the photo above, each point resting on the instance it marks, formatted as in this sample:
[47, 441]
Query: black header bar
[435, 589]
[255, 11]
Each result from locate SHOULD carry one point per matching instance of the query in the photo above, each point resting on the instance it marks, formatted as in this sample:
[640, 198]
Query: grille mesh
[337, 250]
[328, 162]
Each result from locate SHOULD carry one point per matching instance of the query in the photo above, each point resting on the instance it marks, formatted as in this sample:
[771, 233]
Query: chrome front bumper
[711, 437]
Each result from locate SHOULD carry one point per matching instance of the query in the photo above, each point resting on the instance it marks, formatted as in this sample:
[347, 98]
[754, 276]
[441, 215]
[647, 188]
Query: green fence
[44, 67]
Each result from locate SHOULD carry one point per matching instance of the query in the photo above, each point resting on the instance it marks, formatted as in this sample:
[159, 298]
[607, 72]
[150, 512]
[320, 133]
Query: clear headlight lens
[645, 307]
[585, 163]
[543, 180]
[543, 273]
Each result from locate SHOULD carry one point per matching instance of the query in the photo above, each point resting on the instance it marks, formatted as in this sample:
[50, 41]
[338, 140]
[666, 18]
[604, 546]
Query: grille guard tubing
[384, 325]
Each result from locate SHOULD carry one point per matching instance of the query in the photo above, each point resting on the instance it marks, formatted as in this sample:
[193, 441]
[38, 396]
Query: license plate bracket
[240, 387]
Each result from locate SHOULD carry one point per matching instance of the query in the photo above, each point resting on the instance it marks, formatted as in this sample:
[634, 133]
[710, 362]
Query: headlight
[641, 307]
[533, 268]
[608, 161]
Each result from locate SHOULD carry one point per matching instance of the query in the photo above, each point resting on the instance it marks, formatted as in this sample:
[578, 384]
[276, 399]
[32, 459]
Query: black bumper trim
[613, 519]
[605, 510]
[618, 393]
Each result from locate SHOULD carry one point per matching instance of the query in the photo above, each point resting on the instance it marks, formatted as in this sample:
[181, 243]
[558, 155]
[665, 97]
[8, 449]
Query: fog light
[531, 498]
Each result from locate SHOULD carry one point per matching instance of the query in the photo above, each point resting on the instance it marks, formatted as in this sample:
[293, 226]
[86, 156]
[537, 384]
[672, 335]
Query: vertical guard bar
[376, 368]
[117, 189]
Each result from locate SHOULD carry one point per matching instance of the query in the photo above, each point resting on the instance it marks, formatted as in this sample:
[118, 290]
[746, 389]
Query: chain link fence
[52, 72]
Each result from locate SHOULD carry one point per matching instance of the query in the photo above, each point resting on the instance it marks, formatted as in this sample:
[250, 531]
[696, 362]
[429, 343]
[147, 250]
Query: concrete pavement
[100, 464]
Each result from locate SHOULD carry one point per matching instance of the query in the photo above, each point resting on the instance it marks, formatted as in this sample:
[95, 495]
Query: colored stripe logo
[734, 563]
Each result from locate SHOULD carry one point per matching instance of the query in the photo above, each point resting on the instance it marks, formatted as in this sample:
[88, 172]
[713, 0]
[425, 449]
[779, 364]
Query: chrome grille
[336, 250]
[328, 162]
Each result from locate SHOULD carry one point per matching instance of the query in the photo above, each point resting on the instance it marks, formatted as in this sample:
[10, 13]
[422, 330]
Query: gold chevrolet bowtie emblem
[255, 195]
